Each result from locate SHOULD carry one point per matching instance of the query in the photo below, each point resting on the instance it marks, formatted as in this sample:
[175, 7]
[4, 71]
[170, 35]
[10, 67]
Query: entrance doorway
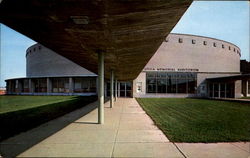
[221, 90]
[124, 89]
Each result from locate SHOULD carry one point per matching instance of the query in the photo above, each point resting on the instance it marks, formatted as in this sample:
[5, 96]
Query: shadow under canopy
[128, 32]
[15, 145]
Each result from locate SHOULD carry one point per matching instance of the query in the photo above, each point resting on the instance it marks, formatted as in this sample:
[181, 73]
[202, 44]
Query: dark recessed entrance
[124, 89]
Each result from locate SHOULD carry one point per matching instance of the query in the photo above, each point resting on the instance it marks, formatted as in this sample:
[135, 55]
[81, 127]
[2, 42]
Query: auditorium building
[183, 66]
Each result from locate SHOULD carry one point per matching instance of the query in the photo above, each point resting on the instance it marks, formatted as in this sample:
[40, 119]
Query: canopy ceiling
[127, 31]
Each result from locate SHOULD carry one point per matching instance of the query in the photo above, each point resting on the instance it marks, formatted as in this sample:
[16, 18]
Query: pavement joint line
[240, 147]
[112, 155]
[179, 150]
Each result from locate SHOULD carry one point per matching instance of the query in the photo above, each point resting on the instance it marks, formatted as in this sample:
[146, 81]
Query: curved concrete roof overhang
[127, 31]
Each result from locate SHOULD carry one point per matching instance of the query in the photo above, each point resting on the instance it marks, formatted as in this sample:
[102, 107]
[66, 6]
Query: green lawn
[21, 113]
[13, 103]
[199, 120]
[245, 98]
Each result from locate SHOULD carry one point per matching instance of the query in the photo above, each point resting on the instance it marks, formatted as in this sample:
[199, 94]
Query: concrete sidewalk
[127, 132]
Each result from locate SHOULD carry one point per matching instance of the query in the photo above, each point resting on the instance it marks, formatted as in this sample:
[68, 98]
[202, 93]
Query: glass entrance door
[124, 89]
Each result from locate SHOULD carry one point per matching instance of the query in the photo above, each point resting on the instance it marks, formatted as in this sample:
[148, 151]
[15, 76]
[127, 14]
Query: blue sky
[225, 20]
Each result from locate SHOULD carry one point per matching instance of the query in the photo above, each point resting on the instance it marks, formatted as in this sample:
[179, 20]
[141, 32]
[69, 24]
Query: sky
[224, 20]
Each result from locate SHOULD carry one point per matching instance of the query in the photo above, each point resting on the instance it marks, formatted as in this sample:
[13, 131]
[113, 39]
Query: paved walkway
[127, 132]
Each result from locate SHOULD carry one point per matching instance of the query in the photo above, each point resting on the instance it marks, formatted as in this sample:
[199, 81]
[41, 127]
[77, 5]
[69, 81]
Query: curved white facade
[195, 52]
[181, 67]
[202, 57]
[43, 62]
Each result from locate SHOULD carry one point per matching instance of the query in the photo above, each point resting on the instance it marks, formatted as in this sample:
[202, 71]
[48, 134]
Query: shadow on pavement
[16, 145]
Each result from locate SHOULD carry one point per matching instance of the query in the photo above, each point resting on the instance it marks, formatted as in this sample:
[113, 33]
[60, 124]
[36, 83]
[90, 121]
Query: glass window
[12, 86]
[128, 86]
[92, 87]
[60, 85]
[214, 44]
[193, 41]
[84, 85]
[171, 84]
[180, 40]
[122, 86]
[25, 85]
[165, 82]
[40, 85]
[161, 75]
[210, 88]
[151, 85]
[229, 90]
[151, 74]
[162, 85]
[181, 85]
[192, 85]
[222, 90]
[216, 90]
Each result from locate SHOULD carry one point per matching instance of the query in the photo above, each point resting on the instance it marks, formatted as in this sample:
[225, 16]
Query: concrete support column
[219, 91]
[237, 89]
[100, 87]
[71, 85]
[246, 88]
[115, 89]
[31, 89]
[49, 85]
[112, 89]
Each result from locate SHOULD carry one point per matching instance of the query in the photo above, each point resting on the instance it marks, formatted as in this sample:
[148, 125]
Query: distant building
[48, 73]
[2, 91]
[183, 66]
[245, 67]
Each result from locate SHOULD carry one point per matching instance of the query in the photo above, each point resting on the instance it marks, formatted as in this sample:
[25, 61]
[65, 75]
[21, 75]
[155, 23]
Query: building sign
[171, 69]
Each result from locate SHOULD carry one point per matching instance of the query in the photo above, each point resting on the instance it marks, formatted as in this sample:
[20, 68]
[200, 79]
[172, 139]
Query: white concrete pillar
[246, 88]
[115, 89]
[112, 89]
[100, 87]
[71, 85]
[118, 89]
